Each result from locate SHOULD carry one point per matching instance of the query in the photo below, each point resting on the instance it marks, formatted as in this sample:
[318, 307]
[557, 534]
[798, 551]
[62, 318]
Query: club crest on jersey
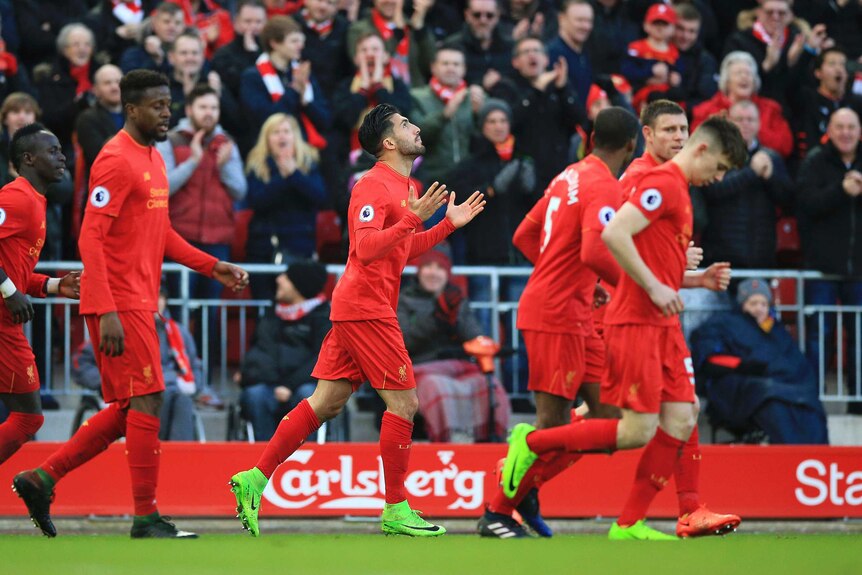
[100, 196]
[366, 214]
[2, 216]
[606, 214]
[651, 199]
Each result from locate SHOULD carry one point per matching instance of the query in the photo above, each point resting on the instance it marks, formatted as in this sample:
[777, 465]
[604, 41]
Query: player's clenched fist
[231, 275]
[717, 276]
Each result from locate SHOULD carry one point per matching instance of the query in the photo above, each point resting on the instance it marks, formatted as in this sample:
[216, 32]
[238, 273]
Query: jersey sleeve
[14, 214]
[109, 185]
[369, 205]
[528, 236]
[653, 197]
[600, 207]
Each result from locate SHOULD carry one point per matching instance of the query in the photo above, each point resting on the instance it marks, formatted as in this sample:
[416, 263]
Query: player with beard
[365, 343]
[125, 236]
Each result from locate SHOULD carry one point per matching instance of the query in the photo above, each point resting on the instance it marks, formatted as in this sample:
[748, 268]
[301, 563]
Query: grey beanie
[752, 287]
[492, 104]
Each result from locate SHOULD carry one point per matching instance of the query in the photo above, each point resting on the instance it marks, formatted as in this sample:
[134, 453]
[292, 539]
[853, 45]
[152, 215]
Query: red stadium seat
[329, 237]
[241, 220]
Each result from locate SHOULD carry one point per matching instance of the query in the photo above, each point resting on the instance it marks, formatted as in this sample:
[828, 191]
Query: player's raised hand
[424, 207]
[693, 256]
[231, 275]
[112, 338]
[70, 285]
[19, 307]
[717, 276]
[666, 299]
[462, 214]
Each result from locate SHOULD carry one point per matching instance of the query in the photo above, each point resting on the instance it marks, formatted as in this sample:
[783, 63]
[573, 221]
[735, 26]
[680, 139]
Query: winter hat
[435, 256]
[752, 287]
[492, 104]
[308, 277]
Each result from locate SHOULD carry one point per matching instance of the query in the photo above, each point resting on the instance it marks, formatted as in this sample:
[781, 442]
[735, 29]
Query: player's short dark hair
[725, 133]
[656, 108]
[135, 83]
[821, 57]
[614, 128]
[687, 12]
[199, 91]
[276, 30]
[22, 141]
[376, 126]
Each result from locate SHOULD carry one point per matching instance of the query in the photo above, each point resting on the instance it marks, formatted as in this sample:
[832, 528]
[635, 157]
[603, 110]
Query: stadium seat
[329, 239]
[241, 219]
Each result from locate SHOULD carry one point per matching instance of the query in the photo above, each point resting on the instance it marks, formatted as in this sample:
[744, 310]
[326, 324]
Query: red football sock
[653, 472]
[687, 475]
[291, 433]
[543, 470]
[143, 450]
[92, 438]
[587, 435]
[557, 465]
[18, 429]
[396, 436]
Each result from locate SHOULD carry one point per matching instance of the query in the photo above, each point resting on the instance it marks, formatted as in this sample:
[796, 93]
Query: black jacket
[230, 61]
[284, 352]
[94, 127]
[57, 95]
[497, 57]
[328, 56]
[830, 221]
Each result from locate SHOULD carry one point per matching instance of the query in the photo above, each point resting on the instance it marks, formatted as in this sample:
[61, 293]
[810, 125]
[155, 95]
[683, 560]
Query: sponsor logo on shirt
[100, 196]
[606, 214]
[158, 198]
[651, 199]
[366, 214]
[2, 216]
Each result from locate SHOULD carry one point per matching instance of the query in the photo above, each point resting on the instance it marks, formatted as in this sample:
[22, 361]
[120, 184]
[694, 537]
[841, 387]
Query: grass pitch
[758, 554]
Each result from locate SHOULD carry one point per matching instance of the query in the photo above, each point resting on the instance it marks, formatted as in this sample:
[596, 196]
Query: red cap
[596, 93]
[435, 256]
[661, 12]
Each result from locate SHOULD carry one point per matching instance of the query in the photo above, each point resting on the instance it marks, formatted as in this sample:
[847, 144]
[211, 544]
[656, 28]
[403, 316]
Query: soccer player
[125, 236]
[39, 161]
[648, 371]
[365, 342]
[554, 313]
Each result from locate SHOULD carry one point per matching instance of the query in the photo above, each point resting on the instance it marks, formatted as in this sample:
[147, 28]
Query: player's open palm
[717, 276]
[70, 285]
[462, 214]
[666, 299]
[424, 207]
[231, 275]
[19, 307]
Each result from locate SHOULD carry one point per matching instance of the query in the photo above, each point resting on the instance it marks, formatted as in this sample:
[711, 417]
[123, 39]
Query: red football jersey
[559, 293]
[662, 197]
[642, 49]
[635, 172]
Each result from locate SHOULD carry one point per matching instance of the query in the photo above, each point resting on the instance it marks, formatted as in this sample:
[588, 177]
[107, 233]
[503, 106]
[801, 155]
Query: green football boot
[638, 532]
[519, 459]
[248, 487]
[399, 519]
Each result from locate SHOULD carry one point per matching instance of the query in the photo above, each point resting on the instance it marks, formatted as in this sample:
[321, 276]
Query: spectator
[231, 60]
[545, 108]
[282, 7]
[575, 20]
[181, 367]
[436, 319]
[488, 52]
[445, 110]
[581, 143]
[814, 106]
[739, 80]
[162, 30]
[325, 43]
[280, 83]
[780, 49]
[205, 175]
[39, 23]
[212, 22]
[742, 207]
[698, 67]
[829, 186]
[614, 29]
[276, 371]
[120, 23]
[285, 190]
[753, 374]
[13, 75]
[522, 18]
[409, 43]
[652, 65]
[65, 86]
[19, 109]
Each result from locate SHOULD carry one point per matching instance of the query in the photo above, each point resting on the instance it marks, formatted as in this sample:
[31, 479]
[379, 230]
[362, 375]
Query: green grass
[379, 555]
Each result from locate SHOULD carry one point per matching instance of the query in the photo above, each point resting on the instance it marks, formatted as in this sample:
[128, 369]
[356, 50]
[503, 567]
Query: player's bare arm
[113, 338]
[424, 207]
[16, 301]
[716, 277]
[462, 214]
[230, 275]
[618, 236]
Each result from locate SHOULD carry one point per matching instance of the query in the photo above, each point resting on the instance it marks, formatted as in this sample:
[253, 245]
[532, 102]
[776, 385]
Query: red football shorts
[595, 347]
[18, 373]
[557, 362]
[646, 366]
[369, 350]
[139, 370]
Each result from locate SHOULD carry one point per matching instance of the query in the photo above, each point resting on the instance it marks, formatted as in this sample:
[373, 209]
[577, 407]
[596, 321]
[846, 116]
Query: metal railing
[233, 318]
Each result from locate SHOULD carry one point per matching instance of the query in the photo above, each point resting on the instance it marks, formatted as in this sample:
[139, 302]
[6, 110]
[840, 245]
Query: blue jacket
[258, 105]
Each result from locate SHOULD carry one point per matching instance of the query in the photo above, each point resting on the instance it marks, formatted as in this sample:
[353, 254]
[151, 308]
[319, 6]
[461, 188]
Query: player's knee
[405, 406]
[636, 433]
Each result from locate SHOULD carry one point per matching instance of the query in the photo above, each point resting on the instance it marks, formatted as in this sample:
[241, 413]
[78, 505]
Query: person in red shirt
[125, 236]
[38, 158]
[365, 343]
[648, 371]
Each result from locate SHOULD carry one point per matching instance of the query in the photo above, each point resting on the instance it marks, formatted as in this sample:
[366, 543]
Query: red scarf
[506, 148]
[8, 62]
[178, 351]
[322, 29]
[289, 8]
[445, 93]
[399, 62]
[293, 312]
[127, 12]
[81, 74]
[275, 87]
[761, 34]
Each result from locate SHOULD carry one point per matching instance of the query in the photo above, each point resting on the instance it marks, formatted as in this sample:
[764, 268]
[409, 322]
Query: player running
[365, 342]
[125, 236]
[38, 159]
